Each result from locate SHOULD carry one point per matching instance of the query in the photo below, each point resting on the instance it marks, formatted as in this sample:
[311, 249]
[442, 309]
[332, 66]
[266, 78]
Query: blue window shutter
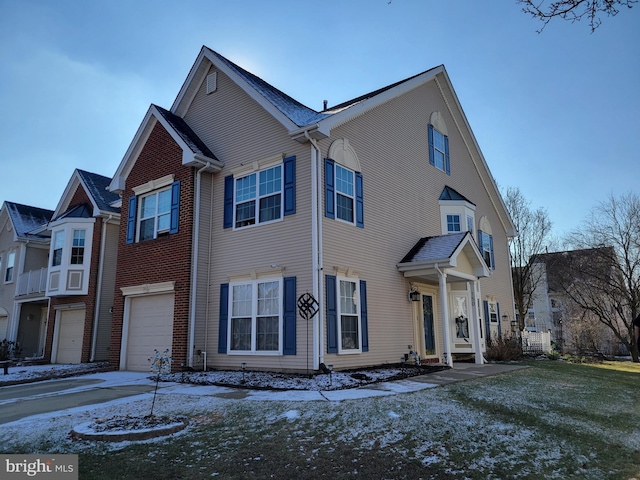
[329, 189]
[447, 165]
[228, 201]
[289, 330]
[359, 201]
[432, 157]
[499, 320]
[493, 263]
[289, 185]
[131, 219]
[364, 323]
[487, 320]
[480, 243]
[223, 324]
[332, 314]
[175, 206]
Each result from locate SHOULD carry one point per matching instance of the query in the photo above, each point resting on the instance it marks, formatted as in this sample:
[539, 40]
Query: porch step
[464, 358]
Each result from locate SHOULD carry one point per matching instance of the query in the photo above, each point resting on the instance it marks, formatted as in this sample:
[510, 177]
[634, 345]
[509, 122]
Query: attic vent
[212, 81]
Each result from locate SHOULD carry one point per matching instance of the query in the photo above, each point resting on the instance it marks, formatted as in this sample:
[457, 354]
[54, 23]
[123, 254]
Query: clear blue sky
[555, 114]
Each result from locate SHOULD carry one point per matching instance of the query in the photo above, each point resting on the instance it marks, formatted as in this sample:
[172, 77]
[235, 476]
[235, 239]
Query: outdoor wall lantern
[414, 294]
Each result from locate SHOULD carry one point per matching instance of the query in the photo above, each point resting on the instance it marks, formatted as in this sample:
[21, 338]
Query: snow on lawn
[431, 426]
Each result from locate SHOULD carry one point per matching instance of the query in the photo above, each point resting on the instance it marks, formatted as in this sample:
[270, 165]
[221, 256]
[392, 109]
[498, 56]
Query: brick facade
[166, 258]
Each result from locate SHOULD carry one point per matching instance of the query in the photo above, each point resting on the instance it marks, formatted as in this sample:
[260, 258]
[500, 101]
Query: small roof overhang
[455, 254]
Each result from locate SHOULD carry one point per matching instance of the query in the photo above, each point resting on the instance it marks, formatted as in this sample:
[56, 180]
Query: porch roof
[455, 254]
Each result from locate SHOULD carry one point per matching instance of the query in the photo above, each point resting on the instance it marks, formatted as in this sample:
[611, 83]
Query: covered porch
[447, 269]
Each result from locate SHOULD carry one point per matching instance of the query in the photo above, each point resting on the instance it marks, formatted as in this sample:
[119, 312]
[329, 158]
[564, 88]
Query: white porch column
[475, 321]
[444, 306]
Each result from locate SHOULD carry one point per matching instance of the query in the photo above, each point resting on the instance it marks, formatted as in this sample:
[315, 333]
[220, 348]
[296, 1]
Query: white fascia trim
[198, 74]
[74, 182]
[131, 155]
[139, 140]
[149, 288]
[363, 107]
[505, 218]
[70, 306]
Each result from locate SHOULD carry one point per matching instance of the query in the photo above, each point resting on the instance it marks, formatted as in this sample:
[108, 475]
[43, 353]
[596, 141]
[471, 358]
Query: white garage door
[150, 327]
[3, 327]
[70, 331]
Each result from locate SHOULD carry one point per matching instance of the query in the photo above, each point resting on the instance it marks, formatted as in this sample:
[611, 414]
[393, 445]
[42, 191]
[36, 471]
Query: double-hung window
[154, 215]
[439, 150]
[264, 194]
[349, 318]
[258, 197]
[77, 247]
[8, 274]
[255, 319]
[58, 245]
[485, 242]
[154, 210]
[346, 315]
[345, 194]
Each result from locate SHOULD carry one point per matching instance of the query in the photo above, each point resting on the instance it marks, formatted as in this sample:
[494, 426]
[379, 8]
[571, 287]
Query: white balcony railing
[33, 281]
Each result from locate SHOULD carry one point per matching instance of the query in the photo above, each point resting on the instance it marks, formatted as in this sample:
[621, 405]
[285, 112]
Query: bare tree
[608, 284]
[574, 10]
[534, 234]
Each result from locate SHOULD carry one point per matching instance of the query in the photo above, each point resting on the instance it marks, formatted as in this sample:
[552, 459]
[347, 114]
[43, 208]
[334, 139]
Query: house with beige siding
[24, 249]
[80, 278]
[241, 203]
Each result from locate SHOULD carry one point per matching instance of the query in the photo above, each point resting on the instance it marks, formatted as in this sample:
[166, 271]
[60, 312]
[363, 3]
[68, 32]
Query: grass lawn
[552, 420]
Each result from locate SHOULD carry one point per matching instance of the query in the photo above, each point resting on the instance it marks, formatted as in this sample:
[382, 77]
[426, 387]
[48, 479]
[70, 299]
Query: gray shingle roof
[292, 109]
[185, 132]
[434, 248]
[97, 186]
[26, 218]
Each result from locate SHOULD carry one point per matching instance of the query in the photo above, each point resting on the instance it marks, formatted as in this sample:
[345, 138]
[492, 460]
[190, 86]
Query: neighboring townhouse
[239, 200]
[553, 311]
[81, 272]
[24, 249]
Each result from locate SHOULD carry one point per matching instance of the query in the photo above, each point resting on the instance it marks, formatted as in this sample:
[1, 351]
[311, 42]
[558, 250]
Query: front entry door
[429, 333]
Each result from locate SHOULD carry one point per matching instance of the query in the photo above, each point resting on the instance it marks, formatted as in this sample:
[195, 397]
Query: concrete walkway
[21, 401]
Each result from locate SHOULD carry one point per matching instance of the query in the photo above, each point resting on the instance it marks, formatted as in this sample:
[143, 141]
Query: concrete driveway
[21, 401]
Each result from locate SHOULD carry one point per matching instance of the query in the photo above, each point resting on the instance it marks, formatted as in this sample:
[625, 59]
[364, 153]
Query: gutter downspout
[208, 299]
[96, 313]
[316, 252]
[442, 280]
[194, 269]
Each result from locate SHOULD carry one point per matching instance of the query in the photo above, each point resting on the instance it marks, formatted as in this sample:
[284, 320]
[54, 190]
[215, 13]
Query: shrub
[504, 349]
[9, 350]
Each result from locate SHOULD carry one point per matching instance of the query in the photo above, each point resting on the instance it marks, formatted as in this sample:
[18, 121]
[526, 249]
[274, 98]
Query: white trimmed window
[255, 320]
[70, 254]
[258, 197]
[77, 247]
[8, 274]
[453, 223]
[349, 332]
[345, 194]
[154, 215]
[58, 245]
